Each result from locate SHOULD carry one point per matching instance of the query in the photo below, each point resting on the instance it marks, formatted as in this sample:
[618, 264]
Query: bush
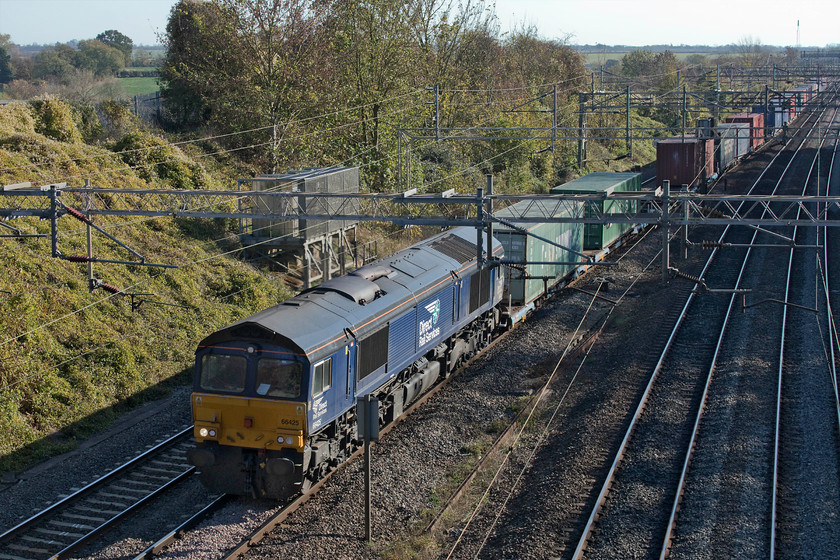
[154, 158]
[54, 118]
[87, 122]
[117, 118]
[16, 118]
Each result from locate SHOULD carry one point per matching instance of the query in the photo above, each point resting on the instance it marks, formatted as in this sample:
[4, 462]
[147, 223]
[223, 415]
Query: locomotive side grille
[373, 352]
[456, 247]
[479, 288]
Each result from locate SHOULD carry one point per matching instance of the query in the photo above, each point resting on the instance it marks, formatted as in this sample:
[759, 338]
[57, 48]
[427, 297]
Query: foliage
[101, 59]
[117, 40]
[153, 158]
[55, 63]
[117, 118]
[83, 86]
[54, 119]
[16, 118]
[61, 62]
[7, 73]
[61, 380]
[262, 68]
[88, 123]
[651, 71]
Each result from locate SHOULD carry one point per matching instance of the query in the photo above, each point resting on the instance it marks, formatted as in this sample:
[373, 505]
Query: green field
[139, 86]
[602, 58]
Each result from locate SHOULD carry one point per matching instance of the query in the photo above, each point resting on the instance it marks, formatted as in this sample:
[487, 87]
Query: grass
[602, 58]
[139, 86]
[71, 362]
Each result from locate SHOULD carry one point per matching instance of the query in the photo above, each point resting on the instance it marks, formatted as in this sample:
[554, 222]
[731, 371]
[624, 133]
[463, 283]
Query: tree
[56, 63]
[246, 64]
[751, 53]
[6, 72]
[649, 70]
[117, 40]
[99, 58]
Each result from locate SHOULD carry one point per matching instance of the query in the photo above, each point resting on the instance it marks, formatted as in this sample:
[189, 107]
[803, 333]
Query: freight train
[274, 394]
[695, 158]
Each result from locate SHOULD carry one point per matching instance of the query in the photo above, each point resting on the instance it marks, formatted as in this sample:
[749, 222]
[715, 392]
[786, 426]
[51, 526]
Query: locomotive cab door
[350, 387]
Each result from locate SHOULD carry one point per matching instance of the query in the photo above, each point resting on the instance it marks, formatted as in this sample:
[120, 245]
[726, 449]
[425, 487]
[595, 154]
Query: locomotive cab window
[279, 378]
[223, 373]
[322, 377]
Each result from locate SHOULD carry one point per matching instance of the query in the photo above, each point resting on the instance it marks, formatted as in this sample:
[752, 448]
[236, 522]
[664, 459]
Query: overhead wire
[49, 323]
[224, 135]
[141, 282]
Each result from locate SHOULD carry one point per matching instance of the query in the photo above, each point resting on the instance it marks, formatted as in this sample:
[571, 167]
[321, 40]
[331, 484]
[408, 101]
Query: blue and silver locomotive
[274, 394]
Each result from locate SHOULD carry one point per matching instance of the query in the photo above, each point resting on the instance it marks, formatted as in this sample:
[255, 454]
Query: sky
[611, 22]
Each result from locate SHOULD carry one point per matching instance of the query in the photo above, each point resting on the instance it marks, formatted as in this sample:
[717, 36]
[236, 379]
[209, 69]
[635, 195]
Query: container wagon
[756, 122]
[526, 284]
[599, 236]
[685, 160]
[732, 142]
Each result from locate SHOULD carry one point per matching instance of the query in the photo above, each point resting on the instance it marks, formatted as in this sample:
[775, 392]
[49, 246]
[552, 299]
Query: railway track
[641, 494]
[807, 450]
[265, 528]
[67, 525]
[724, 501]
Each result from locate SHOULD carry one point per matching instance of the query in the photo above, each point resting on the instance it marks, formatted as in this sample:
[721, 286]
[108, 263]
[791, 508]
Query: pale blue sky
[629, 22]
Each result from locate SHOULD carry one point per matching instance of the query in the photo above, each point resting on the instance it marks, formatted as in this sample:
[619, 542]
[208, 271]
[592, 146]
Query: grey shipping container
[733, 142]
[527, 283]
[340, 180]
[598, 236]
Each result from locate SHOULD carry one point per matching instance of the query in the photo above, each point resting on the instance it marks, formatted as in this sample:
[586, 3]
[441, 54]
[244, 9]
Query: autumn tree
[117, 40]
[99, 58]
[651, 71]
[55, 63]
[245, 64]
[6, 72]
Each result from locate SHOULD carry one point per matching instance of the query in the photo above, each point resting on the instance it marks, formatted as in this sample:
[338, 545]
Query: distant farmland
[139, 86]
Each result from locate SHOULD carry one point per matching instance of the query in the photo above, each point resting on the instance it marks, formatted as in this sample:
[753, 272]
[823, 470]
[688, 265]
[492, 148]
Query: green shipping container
[598, 236]
[525, 284]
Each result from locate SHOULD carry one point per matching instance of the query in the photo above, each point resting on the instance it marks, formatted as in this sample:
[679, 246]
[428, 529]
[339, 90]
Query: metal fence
[148, 107]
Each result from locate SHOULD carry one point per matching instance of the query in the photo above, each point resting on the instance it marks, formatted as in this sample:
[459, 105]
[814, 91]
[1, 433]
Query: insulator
[714, 245]
[77, 258]
[77, 214]
[694, 279]
[109, 288]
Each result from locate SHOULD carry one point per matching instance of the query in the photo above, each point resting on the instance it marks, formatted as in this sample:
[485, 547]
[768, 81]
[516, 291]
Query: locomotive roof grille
[456, 247]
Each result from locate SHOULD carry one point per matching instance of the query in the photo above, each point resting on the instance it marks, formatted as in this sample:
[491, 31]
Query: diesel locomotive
[274, 394]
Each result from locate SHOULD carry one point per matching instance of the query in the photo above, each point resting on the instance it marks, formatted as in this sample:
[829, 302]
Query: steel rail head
[98, 482]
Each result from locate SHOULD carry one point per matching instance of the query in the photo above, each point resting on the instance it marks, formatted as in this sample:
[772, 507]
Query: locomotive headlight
[280, 439]
[212, 433]
[289, 440]
[203, 432]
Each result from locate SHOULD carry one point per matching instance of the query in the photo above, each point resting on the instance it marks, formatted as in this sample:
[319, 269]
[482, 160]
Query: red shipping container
[689, 161]
[756, 122]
